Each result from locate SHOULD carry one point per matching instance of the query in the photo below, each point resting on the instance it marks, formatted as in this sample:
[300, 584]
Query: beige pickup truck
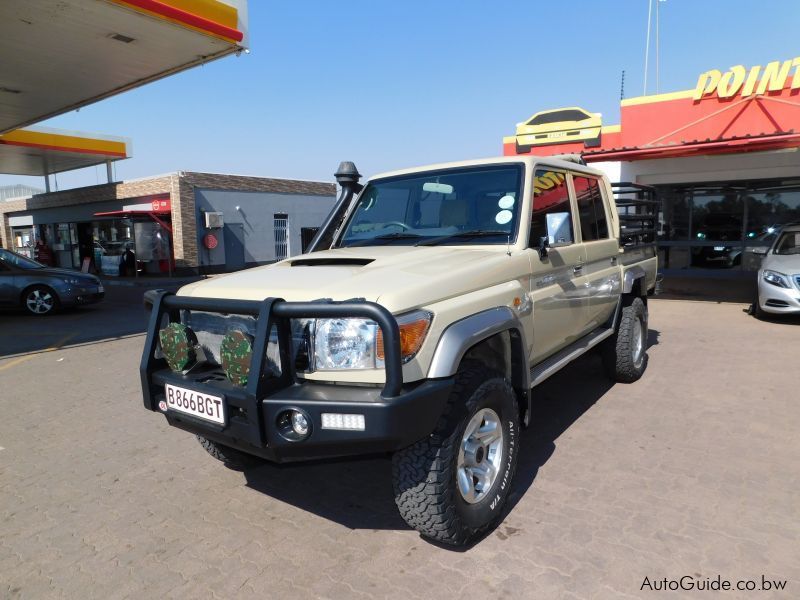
[430, 305]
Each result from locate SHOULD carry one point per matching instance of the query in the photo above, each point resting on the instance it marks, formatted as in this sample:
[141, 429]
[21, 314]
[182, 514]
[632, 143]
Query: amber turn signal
[413, 329]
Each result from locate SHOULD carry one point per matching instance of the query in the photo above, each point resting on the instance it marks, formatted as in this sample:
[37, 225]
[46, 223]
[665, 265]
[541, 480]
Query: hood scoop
[331, 262]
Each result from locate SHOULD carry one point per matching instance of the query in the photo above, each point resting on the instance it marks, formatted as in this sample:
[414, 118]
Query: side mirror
[762, 250]
[544, 244]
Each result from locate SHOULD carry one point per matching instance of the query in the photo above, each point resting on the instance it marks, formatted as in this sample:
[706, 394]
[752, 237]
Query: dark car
[41, 290]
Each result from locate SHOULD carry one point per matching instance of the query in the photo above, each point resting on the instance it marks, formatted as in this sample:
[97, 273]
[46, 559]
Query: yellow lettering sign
[731, 82]
[739, 80]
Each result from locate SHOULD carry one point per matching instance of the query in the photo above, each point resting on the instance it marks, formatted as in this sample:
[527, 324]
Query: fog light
[345, 422]
[294, 425]
[299, 423]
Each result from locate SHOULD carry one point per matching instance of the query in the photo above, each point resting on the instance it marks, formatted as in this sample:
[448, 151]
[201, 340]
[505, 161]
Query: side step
[551, 365]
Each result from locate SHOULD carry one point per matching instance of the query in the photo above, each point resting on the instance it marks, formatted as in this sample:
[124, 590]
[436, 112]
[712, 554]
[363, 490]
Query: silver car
[779, 276]
[42, 290]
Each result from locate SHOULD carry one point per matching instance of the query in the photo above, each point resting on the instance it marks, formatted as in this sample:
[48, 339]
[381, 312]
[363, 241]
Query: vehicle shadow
[357, 493]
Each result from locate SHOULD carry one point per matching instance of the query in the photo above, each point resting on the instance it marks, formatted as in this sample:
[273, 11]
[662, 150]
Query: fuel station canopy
[59, 55]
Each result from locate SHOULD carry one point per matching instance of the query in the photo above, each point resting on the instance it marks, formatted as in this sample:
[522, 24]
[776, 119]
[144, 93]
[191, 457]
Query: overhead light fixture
[121, 38]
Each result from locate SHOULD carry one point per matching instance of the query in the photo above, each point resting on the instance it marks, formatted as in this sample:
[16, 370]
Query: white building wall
[775, 164]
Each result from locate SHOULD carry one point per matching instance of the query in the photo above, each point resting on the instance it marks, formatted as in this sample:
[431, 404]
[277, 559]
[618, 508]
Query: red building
[723, 157]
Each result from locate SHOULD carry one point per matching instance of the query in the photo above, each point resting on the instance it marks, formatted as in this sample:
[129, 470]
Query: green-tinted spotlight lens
[236, 352]
[178, 345]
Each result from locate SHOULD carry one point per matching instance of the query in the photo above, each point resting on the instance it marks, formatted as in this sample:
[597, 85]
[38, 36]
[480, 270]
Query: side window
[590, 208]
[552, 215]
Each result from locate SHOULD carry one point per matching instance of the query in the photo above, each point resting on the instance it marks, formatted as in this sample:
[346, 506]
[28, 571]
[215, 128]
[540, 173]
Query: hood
[398, 277]
[72, 274]
[788, 264]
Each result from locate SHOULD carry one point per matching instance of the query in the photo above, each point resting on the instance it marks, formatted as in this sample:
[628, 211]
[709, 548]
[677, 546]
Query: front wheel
[230, 456]
[625, 352]
[39, 300]
[452, 486]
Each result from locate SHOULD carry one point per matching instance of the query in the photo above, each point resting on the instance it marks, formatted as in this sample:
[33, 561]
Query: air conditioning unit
[214, 220]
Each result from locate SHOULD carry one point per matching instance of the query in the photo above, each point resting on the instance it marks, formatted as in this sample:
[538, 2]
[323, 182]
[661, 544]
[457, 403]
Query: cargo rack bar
[637, 207]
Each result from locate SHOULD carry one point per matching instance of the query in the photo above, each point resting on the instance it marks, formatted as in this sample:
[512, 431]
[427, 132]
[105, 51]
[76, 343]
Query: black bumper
[390, 424]
[395, 416]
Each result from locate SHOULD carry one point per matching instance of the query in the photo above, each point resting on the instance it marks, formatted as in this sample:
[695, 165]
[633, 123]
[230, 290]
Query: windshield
[475, 205]
[16, 260]
[788, 243]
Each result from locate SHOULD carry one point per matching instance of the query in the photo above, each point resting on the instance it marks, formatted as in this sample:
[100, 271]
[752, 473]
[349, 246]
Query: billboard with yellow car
[559, 126]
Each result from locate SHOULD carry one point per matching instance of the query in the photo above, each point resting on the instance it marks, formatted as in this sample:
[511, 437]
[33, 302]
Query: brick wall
[181, 188]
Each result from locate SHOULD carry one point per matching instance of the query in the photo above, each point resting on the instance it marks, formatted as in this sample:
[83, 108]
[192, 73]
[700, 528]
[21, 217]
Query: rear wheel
[625, 352]
[230, 456]
[39, 300]
[452, 485]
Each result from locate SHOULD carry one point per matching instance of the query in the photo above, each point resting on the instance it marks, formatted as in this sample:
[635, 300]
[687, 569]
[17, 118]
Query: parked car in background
[42, 290]
[558, 126]
[779, 276]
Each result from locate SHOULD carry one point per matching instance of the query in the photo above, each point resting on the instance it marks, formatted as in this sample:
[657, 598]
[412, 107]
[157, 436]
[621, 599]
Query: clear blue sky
[392, 84]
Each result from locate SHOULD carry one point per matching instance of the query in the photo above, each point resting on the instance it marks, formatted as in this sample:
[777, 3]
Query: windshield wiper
[397, 235]
[474, 233]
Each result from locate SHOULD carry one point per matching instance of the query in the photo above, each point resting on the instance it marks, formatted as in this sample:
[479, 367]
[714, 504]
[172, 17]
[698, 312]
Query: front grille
[797, 281]
[777, 303]
[210, 328]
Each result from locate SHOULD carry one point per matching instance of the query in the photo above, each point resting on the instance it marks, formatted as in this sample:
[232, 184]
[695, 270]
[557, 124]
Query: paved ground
[691, 471]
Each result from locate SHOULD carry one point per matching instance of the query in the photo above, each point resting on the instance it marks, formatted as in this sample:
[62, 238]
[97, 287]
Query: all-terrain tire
[625, 352]
[230, 456]
[425, 474]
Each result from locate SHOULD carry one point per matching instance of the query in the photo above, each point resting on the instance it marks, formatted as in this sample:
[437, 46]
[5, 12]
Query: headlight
[358, 343]
[775, 278]
[344, 344]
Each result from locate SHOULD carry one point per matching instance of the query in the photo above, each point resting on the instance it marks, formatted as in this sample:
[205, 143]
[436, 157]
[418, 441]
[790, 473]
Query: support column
[46, 169]
[109, 175]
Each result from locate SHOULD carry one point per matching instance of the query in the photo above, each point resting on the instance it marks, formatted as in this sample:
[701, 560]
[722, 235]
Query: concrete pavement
[691, 471]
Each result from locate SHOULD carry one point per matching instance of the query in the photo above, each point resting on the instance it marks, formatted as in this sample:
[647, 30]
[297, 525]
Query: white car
[779, 276]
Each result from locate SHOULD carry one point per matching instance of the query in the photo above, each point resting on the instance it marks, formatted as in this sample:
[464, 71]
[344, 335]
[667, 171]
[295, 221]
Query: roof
[69, 53]
[528, 159]
[40, 151]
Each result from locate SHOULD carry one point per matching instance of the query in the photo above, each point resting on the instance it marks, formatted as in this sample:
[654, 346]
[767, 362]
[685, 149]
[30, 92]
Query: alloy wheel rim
[39, 302]
[480, 455]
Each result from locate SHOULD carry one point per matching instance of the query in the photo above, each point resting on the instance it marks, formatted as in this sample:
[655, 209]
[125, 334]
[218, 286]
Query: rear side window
[591, 213]
[552, 215]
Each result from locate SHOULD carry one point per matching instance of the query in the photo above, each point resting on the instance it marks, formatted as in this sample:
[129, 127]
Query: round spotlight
[299, 424]
[236, 352]
[294, 425]
[178, 345]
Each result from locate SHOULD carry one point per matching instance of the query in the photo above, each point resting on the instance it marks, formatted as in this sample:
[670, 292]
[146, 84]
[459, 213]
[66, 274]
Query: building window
[281, 221]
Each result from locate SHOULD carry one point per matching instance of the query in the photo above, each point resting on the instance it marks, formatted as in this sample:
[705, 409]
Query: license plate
[202, 406]
[100, 289]
[555, 134]
[719, 248]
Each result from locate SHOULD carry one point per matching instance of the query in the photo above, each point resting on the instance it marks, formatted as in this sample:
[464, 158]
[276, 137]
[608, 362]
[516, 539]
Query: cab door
[600, 271]
[557, 288]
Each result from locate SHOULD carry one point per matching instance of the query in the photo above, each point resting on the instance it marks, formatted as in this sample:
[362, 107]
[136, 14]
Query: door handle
[613, 260]
[577, 269]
